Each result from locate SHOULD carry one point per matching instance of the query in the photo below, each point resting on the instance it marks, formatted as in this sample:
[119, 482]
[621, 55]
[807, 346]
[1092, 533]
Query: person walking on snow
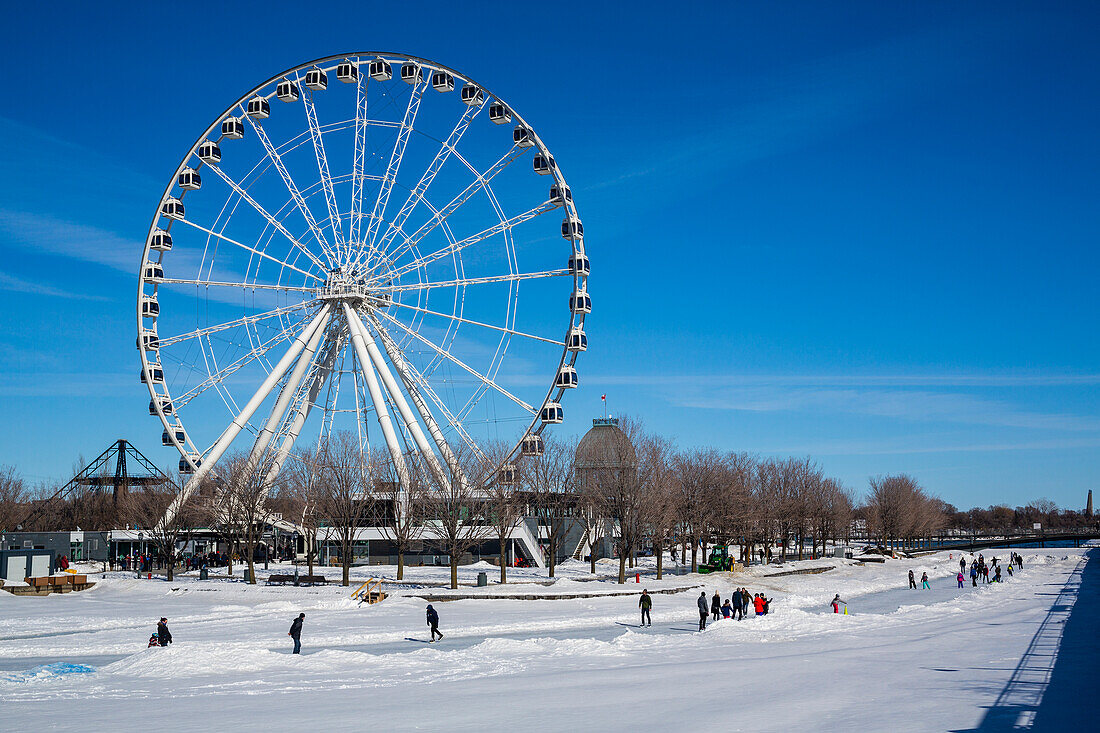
[985, 573]
[716, 606]
[837, 603]
[704, 610]
[727, 609]
[962, 564]
[924, 584]
[961, 578]
[164, 636]
[295, 633]
[912, 581]
[746, 599]
[758, 604]
[433, 621]
[645, 603]
[973, 575]
[738, 605]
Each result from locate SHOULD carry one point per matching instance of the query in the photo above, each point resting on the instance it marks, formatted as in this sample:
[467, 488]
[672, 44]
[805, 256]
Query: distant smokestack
[1088, 505]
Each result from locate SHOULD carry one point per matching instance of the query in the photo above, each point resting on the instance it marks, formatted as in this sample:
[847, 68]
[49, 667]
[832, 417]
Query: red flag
[603, 397]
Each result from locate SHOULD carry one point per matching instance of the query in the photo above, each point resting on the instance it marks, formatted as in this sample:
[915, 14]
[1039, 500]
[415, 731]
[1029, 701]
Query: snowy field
[986, 658]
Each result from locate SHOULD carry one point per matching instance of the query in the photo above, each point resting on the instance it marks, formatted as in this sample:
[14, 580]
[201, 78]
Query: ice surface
[901, 660]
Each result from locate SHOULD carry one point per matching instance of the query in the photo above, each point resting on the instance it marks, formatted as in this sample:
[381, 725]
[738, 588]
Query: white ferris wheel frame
[308, 363]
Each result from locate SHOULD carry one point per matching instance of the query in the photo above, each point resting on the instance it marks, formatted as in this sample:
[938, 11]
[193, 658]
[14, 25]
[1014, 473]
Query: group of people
[988, 572]
[736, 606]
[162, 636]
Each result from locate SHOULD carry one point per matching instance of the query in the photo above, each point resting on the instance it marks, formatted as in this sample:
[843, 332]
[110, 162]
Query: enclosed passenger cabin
[164, 403]
[532, 445]
[172, 208]
[161, 241]
[543, 164]
[560, 194]
[523, 137]
[552, 413]
[472, 95]
[508, 475]
[150, 308]
[577, 340]
[155, 374]
[380, 70]
[443, 82]
[189, 180]
[579, 302]
[499, 114]
[258, 108]
[148, 340]
[316, 79]
[572, 228]
[188, 466]
[177, 431]
[578, 265]
[210, 152]
[153, 271]
[232, 128]
[347, 71]
[411, 73]
[567, 377]
[286, 91]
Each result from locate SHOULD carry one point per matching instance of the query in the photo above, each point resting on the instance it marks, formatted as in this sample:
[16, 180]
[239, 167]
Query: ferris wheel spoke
[394, 166]
[228, 284]
[245, 321]
[415, 383]
[321, 373]
[481, 181]
[359, 161]
[504, 226]
[458, 362]
[417, 194]
[501, 329]
[322, 169]
[264, 213]
[292, 188]
[514, 277]
[236, 365]
[253, 250]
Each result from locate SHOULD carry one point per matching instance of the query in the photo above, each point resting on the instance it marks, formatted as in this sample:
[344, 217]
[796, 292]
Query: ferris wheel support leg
[242, 419]
[421, 407]
[379, 401]
[328, 360]
[403, 408]
[290, 389]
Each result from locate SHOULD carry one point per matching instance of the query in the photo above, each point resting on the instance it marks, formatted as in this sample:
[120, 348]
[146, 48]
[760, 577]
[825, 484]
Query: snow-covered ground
[900, 660]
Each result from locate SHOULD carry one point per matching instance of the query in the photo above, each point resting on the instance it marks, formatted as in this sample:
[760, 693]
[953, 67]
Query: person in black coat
[704, 610]
[433, 621]
[164, 636]
[716, 606]
[295, 633]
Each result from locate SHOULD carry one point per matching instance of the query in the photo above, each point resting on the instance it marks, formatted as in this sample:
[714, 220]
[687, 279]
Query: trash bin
[244, 574]
[204, 574]
[482, 580]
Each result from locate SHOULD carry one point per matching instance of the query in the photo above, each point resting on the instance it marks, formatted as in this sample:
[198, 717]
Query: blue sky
[864, 232]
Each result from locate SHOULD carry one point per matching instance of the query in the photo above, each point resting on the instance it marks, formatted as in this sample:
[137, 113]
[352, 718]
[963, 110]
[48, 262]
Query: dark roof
[605, 446]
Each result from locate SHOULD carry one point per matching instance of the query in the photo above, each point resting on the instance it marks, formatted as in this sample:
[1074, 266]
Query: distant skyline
[864, 233]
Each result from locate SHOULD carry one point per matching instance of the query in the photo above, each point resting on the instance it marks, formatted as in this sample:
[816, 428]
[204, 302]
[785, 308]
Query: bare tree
[457, 505]
[612, 476]
[246, 487]
[347, 476]
[304, 484]
[549, 480]
[398, 509]
[13, 495]
[505, 511]
[146, 508]
[660, 513]
[697, 475]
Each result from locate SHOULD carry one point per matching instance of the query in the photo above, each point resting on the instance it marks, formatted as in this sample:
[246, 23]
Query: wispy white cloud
[19, 285]
[913, 405]
[46, 234]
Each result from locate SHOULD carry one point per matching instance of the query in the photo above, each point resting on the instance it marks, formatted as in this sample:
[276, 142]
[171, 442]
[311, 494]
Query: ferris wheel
[345, 248]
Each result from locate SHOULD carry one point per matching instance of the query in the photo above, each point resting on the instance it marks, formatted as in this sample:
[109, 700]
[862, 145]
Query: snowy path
[903, 660]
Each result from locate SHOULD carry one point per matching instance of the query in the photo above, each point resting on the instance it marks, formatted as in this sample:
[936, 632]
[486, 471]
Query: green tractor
[719, 561]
